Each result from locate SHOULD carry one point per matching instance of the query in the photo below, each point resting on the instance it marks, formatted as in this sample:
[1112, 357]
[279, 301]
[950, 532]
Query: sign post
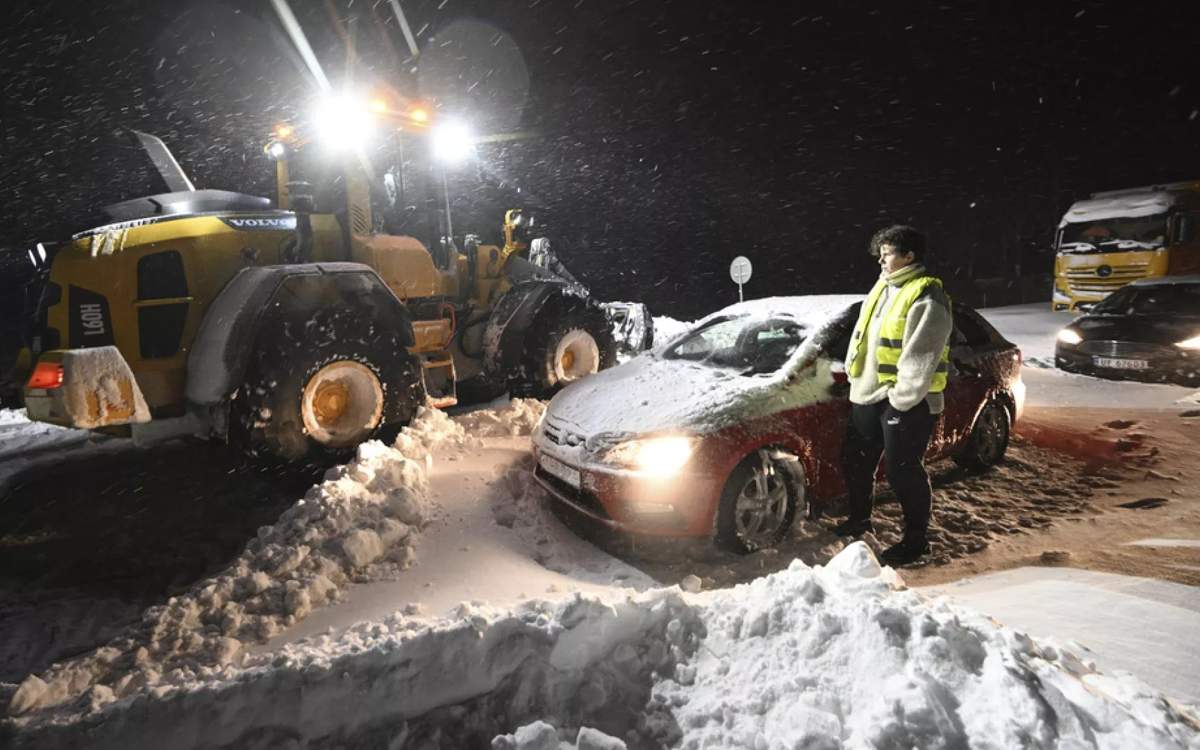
[739, 271]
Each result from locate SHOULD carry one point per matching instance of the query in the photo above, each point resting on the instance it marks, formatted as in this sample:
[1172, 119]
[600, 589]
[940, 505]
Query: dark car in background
[1148, 330]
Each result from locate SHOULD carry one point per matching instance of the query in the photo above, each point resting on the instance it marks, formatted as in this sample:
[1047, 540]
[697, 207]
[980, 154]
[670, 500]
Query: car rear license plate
[1121, 364]
[557, 468]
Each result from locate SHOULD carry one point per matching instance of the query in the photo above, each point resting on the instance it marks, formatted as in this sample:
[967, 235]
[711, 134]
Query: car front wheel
[758, 503]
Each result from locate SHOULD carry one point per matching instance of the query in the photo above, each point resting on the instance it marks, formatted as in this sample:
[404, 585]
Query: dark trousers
[902, 437]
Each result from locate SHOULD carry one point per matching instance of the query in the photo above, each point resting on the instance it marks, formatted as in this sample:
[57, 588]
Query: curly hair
[904, 238]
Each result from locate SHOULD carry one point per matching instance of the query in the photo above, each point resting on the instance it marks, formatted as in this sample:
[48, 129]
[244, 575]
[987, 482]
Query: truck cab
[1116, 237]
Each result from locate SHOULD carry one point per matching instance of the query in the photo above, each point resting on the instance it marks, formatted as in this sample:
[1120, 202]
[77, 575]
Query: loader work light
[452, 142]
[276, 150]
[344, 121]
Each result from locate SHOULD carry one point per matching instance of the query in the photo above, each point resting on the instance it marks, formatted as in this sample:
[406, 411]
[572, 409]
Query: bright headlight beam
[1068, 336]
[662, 456]
[452, 142]
[344, 121]
[1192, 343]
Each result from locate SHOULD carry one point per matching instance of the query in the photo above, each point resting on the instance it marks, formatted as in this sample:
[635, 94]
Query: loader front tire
[315, 399]
[565, 347]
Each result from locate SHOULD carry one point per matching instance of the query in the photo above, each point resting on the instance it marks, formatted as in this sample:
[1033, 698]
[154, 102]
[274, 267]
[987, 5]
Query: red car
[732, 429]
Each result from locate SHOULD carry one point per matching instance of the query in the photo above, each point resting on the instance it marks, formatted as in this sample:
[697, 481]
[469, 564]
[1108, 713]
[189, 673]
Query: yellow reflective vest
[891, 332]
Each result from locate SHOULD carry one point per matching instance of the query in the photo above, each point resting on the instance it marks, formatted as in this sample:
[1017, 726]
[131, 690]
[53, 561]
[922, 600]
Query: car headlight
[1069, 336]
[660, 456]
[1192, 343]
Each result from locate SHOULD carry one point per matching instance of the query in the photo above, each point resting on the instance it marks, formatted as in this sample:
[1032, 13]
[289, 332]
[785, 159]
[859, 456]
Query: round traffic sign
[740, 269]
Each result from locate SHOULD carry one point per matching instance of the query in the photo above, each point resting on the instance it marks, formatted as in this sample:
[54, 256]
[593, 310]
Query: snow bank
[406, 682]
[837, 656]
[542, 736]
[361, 523]
[12, 417]
[845, 655]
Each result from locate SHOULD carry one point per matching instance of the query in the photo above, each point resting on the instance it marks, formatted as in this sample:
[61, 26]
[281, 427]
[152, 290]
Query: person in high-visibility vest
[897, 363]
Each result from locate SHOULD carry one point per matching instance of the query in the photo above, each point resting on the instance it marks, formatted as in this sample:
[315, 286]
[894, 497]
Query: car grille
[557, 432]
[582, 498]
[1087, 281]
[1132, 349]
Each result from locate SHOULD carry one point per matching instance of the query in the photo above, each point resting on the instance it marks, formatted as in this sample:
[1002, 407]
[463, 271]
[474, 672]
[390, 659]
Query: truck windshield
[1159, 299]
[751, 344]
[1115, 235]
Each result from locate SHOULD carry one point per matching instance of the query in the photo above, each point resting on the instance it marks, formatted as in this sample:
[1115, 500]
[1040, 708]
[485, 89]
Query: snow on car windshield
[1114, 234]
[743, 342]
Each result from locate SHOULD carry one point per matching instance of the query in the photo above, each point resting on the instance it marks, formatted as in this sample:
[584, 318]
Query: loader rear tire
[565, 347]
[315, 398]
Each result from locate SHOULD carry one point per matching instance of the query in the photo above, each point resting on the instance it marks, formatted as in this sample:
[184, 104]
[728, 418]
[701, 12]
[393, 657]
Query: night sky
[670, 136]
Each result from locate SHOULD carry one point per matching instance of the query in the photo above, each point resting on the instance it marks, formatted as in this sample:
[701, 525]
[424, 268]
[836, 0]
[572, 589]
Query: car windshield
[749, 343]
[1112, 235]
[1161, 299]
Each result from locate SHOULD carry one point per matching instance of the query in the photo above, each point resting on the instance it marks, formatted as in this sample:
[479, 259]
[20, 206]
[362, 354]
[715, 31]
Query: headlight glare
[344, 121]
[1069, 336]
[1192, 343]
[660, 456]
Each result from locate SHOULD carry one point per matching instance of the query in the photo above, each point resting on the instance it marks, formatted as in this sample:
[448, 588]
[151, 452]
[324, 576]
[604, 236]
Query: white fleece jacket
[925, 333]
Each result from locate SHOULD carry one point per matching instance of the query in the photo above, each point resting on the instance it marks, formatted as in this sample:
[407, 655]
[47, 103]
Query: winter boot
[907, 551]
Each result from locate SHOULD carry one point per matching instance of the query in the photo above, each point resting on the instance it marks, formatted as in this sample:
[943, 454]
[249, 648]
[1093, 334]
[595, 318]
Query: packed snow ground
[1113, 615]
[839, 655]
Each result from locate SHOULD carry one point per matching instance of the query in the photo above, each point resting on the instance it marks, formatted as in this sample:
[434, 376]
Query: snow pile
[542, 736]
[844, 655]
[408, 682]
[12, 417]
[519, 417]
[360, 523]
[808, 657]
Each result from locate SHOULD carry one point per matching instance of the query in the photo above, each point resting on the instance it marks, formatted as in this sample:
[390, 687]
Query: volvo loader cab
[294, 330]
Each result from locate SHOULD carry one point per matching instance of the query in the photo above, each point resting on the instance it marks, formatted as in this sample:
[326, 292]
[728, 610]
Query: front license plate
[557, 468]
[1121, 364]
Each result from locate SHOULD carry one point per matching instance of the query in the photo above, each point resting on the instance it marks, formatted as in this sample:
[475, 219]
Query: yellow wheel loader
[290, 332]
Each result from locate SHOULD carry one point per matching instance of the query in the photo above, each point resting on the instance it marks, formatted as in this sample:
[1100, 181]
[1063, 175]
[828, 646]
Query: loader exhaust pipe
[300, 248]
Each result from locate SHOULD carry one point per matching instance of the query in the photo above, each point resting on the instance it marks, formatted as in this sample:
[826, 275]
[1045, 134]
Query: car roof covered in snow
[811, 309]
[1167, 280]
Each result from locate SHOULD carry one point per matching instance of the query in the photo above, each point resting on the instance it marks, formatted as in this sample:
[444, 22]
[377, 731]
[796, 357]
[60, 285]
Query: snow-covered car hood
[650, 394]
